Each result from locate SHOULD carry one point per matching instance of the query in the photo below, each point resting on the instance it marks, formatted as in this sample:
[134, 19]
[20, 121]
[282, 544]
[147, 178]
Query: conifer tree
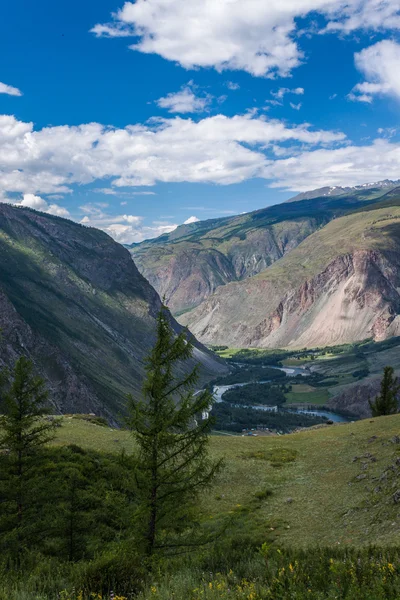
[23, 432]
[386, 403]
[171, 425]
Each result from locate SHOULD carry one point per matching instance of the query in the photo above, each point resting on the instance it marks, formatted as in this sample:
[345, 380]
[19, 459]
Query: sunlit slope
[314, 492]
[341, 284]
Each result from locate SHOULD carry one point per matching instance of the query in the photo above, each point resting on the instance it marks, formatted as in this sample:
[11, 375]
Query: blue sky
[221, 107]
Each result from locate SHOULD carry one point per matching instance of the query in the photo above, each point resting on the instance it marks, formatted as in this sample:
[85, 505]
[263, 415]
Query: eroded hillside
[189, 264]
[339, 285]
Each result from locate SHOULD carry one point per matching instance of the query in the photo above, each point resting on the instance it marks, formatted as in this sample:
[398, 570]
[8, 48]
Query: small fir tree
[386, 403]
[171, 426]
[24, 432]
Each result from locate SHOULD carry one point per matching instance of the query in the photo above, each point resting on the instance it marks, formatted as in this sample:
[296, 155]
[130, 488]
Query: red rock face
[188, 272]
[355, 297]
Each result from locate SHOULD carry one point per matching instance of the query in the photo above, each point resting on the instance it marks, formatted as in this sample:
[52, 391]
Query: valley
[333, 383]
[72, 300]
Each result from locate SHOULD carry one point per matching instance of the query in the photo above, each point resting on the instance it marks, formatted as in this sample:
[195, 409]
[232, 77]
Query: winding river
[219, 390]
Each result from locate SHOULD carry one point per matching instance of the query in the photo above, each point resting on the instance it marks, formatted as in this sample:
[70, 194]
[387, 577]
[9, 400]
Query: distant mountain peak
[338, 190]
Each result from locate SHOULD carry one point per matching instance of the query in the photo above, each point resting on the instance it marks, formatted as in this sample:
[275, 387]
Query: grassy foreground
[300, 489]
[311, 516]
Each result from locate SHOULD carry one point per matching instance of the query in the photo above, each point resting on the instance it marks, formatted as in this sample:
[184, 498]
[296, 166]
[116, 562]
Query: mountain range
[321, 269]
[73, 301]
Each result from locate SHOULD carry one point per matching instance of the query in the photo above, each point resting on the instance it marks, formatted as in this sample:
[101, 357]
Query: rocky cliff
[189, 264]
[341, 284]
[73, 301]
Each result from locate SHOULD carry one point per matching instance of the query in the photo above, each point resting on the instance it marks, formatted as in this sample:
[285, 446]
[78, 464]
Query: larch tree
[171, 425]
[23, 433]
[386, 403]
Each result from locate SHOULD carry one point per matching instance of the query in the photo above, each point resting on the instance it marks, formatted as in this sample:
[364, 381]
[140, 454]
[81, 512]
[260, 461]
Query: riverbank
[306, 408]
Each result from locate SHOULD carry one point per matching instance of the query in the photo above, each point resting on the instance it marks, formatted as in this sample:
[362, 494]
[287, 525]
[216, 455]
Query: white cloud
[123, 228]
[38, 203]
[220, 149]
[347, 166]
[387, 132]
[185, 101]
[116, 192]
[59, 211]
[231, 85]
[296, 106]
[375, 15]
[380, 64]
[299, 91]
[216, 149]
[256, 36]
[191, 220]
[9, 89]
[32, 201]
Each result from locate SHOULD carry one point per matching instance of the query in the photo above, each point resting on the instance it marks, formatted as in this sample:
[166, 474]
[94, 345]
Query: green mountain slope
[190, 263]
[73, 300]
[339, 285]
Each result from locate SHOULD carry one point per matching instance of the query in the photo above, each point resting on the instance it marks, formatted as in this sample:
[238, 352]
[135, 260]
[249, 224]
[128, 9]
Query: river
[219, 390]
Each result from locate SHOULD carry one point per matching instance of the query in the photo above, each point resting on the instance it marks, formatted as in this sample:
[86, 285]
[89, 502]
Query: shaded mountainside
[189, 264]
[73, 301]
[341, 284]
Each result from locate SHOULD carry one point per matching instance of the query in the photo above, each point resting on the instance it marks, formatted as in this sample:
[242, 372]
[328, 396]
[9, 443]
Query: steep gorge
[73, 301]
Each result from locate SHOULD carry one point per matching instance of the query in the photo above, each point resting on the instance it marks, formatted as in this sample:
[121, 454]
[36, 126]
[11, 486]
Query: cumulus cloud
[380, 64]
[299, 91]
[216, 149]
[296, 106]
[123, 228]
[185, 101]
[38, 203]
[9, 89]
[232, 85]
[255, 36]
[219, 149]
[191, 220]
[347, 166]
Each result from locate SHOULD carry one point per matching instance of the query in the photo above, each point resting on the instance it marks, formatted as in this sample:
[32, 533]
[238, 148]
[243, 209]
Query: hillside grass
[298, 490]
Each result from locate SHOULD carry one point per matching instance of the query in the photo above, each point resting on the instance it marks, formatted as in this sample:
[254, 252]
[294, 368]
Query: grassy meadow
[306, 515]
[309, 480]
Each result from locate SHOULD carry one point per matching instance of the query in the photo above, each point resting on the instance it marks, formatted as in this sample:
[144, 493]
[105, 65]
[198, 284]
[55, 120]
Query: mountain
[73, 301]
[189, 264]
[370, 189]
[341, 284]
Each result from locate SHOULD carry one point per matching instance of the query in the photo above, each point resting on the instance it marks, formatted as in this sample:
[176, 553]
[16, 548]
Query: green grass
[328, 506]
[305, 394]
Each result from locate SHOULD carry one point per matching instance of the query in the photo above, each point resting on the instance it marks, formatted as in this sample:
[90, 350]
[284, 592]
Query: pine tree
[171, 426]
[386, 403]
[24, 431]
